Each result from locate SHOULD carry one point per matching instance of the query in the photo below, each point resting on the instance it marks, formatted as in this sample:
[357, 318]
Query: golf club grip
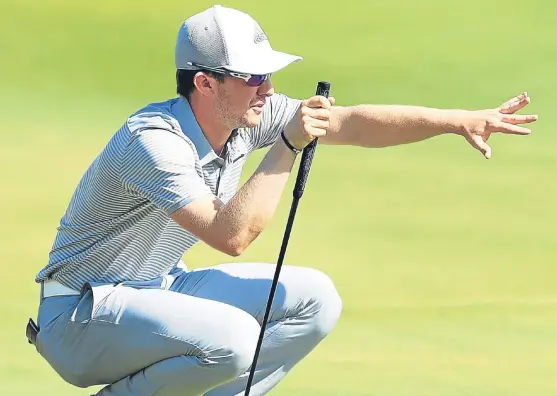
[323, 88]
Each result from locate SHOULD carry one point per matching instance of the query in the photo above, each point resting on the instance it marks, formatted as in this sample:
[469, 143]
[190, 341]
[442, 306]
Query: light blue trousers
[196, 337]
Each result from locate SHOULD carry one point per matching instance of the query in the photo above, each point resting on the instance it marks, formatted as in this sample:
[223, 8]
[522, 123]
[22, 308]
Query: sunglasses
[252, 80]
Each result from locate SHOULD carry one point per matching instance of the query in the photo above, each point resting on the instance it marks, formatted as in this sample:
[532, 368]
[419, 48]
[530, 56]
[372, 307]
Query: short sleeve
[159, 166]
[277, 113]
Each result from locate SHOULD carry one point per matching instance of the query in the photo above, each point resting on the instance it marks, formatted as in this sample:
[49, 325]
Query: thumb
[479, 144]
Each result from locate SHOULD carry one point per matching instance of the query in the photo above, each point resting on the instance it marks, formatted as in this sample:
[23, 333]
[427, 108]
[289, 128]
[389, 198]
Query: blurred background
[445, 261]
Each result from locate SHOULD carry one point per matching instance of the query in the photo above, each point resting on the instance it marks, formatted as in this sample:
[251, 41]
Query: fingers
[512, 129]
[479, 144]
[312, 121]
[501, 120]
[514, 104]
[320, 114]
[315, 122]
[317, 112]
[519, 118]
[315, 132]
[318, 101]
[509, 123]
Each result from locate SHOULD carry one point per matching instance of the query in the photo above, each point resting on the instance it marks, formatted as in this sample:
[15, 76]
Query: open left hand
[480, 124]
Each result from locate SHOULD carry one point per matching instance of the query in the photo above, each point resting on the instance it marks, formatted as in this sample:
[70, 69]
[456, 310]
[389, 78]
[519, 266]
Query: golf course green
[446, 261]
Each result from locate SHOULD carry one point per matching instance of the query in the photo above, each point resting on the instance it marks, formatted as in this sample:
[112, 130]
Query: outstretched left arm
[390, 125]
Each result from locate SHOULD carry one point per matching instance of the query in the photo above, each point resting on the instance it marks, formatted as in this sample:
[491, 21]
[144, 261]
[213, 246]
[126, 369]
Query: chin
[251, 120]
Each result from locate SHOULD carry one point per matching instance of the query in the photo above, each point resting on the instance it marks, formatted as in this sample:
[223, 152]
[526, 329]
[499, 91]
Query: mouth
[258, 104]
[258, 107]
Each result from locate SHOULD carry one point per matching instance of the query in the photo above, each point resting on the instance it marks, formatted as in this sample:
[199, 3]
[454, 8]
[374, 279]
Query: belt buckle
[32, 331]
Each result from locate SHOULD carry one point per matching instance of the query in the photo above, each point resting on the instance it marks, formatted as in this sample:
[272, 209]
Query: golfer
[118, 306]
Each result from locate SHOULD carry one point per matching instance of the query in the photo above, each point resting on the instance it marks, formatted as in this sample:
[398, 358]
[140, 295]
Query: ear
[205, 84]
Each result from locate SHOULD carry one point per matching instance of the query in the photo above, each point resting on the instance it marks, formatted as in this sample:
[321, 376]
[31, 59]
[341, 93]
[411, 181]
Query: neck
[215, 131]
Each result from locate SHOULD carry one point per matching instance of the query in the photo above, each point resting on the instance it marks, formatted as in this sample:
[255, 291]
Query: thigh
[247, 286]
[108, 336]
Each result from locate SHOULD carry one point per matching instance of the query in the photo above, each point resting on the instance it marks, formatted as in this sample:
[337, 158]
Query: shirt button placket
[220, 184]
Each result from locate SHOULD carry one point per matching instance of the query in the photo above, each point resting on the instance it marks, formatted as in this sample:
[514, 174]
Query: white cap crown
[226, 38]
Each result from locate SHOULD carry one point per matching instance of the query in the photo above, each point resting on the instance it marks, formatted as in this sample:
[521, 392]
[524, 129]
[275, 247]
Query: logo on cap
[259, 35]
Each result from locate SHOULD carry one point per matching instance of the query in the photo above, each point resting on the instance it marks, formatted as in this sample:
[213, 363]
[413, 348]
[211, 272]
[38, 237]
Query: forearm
[247, 214]
[390, 125]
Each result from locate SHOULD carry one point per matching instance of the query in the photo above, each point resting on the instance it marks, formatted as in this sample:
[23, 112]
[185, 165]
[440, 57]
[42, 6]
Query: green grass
[445, 261]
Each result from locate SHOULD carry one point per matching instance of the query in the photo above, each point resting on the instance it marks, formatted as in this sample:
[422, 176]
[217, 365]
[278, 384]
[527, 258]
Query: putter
[303, 172]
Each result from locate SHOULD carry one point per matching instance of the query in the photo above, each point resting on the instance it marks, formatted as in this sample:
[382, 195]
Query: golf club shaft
[303, 172]
[309, 151]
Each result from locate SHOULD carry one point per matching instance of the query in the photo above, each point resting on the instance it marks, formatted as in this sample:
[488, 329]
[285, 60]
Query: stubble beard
[230, 119]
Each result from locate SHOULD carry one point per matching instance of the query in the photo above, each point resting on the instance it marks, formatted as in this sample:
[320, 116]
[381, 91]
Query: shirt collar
[181, 109]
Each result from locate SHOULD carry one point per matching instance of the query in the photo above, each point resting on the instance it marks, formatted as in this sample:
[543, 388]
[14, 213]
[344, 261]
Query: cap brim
[269, 62]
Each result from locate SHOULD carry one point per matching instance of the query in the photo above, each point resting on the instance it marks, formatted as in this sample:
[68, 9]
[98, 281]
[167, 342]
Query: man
[118, 306]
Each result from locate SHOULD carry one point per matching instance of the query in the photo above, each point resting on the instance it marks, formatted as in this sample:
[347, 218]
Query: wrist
[290, 146]
[293, 144]
[455, 121]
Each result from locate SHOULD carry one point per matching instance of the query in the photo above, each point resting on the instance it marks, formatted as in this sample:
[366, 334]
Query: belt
[53, 288]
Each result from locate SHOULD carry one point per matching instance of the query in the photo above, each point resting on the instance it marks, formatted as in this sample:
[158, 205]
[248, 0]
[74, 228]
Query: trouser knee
[232, 350]
[235, 355]
[323, 302]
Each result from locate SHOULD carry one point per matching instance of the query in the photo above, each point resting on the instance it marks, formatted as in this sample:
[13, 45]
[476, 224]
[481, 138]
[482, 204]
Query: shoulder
[154, 130]
[278, 111]
[154, 116]
[280, 101]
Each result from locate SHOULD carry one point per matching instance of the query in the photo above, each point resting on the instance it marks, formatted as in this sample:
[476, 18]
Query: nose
[267, 88]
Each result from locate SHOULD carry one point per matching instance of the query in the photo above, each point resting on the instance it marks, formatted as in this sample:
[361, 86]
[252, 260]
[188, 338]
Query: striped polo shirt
[117, 225]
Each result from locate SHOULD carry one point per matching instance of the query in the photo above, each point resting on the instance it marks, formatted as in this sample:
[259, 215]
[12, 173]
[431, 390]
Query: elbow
[234, 249]
[237, 245]
[234, 246]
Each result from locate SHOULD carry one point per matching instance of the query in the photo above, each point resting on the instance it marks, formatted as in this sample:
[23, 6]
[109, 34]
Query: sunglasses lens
[257, 79]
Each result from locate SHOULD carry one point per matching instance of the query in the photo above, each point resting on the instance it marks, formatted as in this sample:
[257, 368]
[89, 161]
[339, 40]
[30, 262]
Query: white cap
[230, 39]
